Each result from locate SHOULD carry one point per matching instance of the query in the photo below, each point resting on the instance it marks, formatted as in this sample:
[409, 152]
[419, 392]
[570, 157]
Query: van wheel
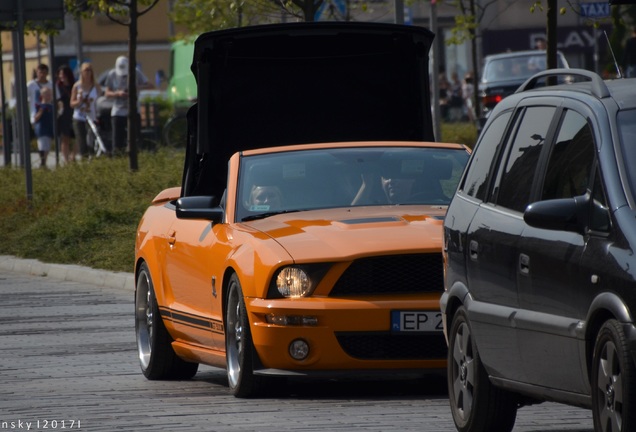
[476, 405]
[612, 380]
[154, 345]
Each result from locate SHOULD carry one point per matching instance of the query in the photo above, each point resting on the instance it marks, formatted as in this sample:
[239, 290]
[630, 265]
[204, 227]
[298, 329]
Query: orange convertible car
[301, 243]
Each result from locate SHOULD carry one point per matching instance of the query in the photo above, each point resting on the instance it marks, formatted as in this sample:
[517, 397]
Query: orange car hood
[347, 232]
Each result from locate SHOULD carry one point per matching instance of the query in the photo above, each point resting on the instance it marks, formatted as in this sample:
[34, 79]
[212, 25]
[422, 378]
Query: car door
[189, 265]
[492, 242]
[554, 289]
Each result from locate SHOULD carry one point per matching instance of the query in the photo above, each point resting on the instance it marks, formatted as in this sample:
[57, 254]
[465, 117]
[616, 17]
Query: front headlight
[296, 281]
[293, 282]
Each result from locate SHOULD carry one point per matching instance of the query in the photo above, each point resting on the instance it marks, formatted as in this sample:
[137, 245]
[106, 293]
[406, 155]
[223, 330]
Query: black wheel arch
[604, 307]
[456, 296]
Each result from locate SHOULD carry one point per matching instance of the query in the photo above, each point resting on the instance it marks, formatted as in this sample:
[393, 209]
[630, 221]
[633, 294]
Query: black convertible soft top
[298, 83]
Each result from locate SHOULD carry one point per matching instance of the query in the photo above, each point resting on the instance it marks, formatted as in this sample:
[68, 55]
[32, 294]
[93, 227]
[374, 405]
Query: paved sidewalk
[66, 272]
[16, 161]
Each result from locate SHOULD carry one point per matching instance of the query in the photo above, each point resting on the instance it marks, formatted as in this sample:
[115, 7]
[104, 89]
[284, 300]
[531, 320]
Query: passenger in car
[265, 198]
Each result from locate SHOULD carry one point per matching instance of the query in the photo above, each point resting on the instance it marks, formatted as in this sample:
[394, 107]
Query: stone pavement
[72, 273]
[69, 361]
[51, 162]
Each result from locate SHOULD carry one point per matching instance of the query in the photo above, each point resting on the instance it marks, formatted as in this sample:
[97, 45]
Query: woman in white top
[83, 97]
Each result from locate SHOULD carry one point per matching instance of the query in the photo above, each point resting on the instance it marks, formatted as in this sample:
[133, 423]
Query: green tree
[465, 29]
[621, 14]
[623, 18]
[199, 16]
[467, 26]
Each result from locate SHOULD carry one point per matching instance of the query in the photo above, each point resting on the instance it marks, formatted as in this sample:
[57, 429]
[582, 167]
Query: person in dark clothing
[629, 56]
[65, 81]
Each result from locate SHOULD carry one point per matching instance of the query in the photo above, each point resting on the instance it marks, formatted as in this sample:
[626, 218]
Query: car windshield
[627, 129]
[516, 68]
[344, 177]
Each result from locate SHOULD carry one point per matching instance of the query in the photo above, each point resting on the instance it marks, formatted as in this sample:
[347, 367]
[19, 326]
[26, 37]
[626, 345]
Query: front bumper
[350, 334]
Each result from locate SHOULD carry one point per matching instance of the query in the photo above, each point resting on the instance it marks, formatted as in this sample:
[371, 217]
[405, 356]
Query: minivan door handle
[473, 249]
[524, 264]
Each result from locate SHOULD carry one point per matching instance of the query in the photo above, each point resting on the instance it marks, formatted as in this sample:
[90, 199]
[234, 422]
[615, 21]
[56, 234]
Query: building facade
[505, 25]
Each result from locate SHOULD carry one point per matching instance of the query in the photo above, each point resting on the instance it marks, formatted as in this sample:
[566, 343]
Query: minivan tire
[476, 404]
[613, 373]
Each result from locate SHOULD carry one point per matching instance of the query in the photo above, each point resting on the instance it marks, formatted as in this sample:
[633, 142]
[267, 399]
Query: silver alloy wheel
[234, 337]
[610, 389]
[144, 319]
[463, 372]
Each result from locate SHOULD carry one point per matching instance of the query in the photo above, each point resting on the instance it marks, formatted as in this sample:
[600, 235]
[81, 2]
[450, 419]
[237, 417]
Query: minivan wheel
[612, 385]
[476, 405]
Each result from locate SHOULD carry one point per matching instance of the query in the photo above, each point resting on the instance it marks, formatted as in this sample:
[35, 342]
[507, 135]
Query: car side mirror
[199, 207]
[566, 214]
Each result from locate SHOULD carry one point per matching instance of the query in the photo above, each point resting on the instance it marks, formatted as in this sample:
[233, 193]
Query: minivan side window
[478, 174]
[516, 180]
[571, 159]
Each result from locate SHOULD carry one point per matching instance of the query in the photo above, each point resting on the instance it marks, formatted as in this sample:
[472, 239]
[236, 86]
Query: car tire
[476, 404]
[154, 345]
[240, 352]
[613, 373]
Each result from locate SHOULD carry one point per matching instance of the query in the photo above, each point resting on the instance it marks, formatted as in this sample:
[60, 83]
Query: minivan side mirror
[565, 214]
[199, 207]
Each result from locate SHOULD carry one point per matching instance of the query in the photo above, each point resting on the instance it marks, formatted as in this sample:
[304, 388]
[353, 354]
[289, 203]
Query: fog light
[299, 349]
[292, 320]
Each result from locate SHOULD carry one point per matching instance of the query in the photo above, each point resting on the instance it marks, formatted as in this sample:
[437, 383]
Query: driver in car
[397, 190]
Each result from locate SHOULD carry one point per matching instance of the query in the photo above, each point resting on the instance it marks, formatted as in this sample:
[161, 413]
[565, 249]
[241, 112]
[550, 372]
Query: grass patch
[462, 133]
[87, 213]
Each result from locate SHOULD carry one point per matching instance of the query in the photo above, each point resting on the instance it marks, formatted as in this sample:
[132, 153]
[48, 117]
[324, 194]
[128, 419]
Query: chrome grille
[392, 274]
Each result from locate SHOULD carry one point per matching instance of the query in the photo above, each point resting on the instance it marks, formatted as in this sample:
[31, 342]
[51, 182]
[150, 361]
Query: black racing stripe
[190, 320]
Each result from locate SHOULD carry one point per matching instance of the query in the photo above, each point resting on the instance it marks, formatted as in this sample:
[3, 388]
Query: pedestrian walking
[83, 101]
[444, 96]
[117, 84]
[468, 93]
[65, 82]
[456, 101]
[42, 121]
[538, 63]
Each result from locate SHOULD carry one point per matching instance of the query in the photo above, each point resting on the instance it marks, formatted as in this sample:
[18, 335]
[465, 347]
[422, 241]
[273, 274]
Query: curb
[72, 273]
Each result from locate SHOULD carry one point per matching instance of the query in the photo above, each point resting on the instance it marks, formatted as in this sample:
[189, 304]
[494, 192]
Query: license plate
[416, 321]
